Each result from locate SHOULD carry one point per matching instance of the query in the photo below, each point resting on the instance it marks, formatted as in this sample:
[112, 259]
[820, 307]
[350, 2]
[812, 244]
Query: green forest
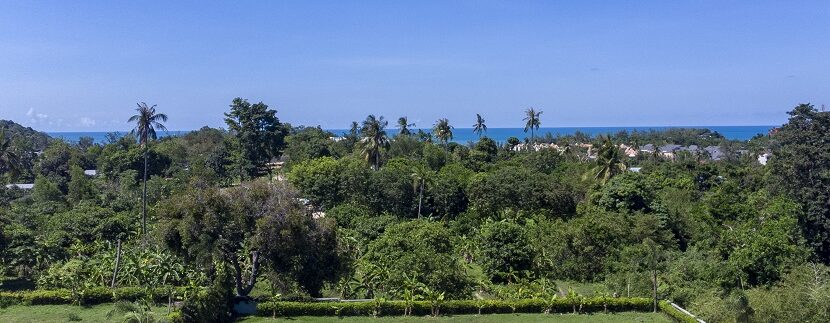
[268, 211]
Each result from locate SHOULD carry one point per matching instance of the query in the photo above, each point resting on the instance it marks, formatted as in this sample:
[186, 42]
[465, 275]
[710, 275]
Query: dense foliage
[269, 211]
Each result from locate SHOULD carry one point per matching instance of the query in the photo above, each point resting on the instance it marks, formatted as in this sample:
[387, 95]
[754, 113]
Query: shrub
[451, 307]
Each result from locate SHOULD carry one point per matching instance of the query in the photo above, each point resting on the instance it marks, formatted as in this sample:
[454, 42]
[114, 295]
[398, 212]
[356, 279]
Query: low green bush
[91, 296]
[453, 307]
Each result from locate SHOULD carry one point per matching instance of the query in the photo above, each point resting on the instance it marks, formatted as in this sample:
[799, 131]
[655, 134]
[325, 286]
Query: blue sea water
[463, 135]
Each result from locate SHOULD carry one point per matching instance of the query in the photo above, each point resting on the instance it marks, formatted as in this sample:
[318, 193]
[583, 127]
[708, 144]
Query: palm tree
[421, 176]
[609, 161]
[146, 123]
[442, 130]
[403, 125]
[9, 160]
[479, 127]
[374, 139]
[532, 122]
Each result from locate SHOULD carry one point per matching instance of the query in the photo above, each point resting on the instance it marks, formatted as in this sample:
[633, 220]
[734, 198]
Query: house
[764, 158]
[21, 186]
[668, 150]
[628, 151]
[648, 148]
[715, 152]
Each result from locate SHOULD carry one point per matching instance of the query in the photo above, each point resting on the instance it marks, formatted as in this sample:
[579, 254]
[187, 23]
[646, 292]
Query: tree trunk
[144, 200]
[420, 198]
[244, 288]
[117, 260]
[654, 289]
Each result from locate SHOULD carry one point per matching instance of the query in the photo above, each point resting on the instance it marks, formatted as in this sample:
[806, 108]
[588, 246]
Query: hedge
[679, 316]
[92, 296]
[455, 307]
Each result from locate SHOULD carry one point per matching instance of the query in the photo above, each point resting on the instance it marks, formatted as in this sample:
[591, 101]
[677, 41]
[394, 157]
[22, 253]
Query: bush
[452, 307]
[91, 296]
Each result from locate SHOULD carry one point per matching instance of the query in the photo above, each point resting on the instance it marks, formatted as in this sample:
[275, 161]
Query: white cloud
[87, 122]
[36, 117]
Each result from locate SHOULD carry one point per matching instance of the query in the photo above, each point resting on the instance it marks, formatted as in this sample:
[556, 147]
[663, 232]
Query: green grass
[492, 318]
[61, 313]
[98, 313]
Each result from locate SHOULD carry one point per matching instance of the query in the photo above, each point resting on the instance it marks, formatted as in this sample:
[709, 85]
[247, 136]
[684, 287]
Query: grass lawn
[492, 318]
[62, 313]
[98, 313]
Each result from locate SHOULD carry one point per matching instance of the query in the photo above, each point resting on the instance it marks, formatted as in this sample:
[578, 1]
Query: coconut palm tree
[609, 161]
[403, 125]
[532, 122]
[442, 130]
[374, 139]
[479, 127]
[421, 176]
[146, 122]
[9, 159]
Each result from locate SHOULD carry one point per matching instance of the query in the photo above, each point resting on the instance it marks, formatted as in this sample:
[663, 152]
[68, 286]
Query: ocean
[463, 135]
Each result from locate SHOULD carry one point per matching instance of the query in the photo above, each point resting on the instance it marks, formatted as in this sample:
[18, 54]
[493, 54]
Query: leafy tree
[374, 139]
[259, 135]
[146, 122]
[479, 127]
[247, 227]
[442, 130]
[422, 251]
[403, 126]
[505, 249]
[518, 188]
[801, 168]
[308, 143]
[532, 122]
[80, 187]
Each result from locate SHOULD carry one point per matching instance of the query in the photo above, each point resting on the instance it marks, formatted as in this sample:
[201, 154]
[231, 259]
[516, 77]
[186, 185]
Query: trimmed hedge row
[92, 296]
[679, 316]
[455, 307]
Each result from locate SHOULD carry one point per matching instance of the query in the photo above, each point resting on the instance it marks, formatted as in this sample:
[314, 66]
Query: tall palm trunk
[117, 261]
[144, 200]
[420, 198]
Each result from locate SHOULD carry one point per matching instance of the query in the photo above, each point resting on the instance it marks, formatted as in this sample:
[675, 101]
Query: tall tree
[801, 168]
[403, 125]
[9, 159]
[147, 120]
[442, 130]
[259, 132]
[479, 127]
[374, 139]
[421, 175]
[532, 122]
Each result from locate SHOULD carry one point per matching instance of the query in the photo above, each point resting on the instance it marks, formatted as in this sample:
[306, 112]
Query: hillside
[37, 139]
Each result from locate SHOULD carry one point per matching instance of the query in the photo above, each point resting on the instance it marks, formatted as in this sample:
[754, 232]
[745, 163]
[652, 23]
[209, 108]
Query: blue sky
[82, 65]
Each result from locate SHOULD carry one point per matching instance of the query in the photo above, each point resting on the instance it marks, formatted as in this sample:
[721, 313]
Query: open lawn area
[64, 313]
[492, 318]
[98, 313]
